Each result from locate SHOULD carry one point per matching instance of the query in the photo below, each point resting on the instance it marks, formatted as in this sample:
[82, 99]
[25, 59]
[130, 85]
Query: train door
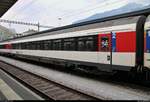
[104, 48]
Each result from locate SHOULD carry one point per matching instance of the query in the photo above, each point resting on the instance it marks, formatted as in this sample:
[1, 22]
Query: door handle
[108, 57]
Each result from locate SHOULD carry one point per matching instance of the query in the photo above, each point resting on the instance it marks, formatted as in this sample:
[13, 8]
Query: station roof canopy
[5, 5]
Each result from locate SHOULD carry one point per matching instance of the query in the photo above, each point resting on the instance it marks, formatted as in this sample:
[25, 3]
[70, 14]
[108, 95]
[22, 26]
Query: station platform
[10, 89]
[7, 93]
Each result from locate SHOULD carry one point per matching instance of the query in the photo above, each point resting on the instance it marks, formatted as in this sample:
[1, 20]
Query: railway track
[44, 87]
[88, 88]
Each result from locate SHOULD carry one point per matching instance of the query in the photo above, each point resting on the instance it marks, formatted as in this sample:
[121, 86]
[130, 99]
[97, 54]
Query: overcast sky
[47, 12]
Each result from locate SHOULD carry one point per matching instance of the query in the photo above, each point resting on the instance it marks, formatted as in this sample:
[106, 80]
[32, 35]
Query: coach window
[81, 44]
[34, 45]
[31, 46]
[13, 46]
[16, 47]
[19, 46]
[22, 45]
[46, 45]
[50, 45]
[69, 44]
[1, 47]
[57, 45]
[104, 44]
[41, 45]
[37, 45]
[89, 43]
[27, 46]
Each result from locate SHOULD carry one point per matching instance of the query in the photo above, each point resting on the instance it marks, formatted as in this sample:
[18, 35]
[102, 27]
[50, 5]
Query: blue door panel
[113, 42]
[148, 41]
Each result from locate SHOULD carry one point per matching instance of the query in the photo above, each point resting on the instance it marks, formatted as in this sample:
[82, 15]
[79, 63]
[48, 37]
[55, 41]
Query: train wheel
[132, 74]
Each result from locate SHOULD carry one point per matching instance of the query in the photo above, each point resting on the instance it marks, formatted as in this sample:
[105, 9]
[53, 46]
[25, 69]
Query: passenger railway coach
[106, 45]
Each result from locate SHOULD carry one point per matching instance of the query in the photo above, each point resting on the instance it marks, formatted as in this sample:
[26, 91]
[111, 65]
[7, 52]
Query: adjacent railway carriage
[147, 43]
[110, 45]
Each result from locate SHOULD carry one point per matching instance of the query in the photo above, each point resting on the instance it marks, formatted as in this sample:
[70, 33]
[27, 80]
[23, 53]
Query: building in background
[30, 31]
[6, 33]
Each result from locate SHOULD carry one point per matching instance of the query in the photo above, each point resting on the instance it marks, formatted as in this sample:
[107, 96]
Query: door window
[104, 43]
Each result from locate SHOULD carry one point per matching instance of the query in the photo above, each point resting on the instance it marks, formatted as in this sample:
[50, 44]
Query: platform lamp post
[59, 19]
[38, 26]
